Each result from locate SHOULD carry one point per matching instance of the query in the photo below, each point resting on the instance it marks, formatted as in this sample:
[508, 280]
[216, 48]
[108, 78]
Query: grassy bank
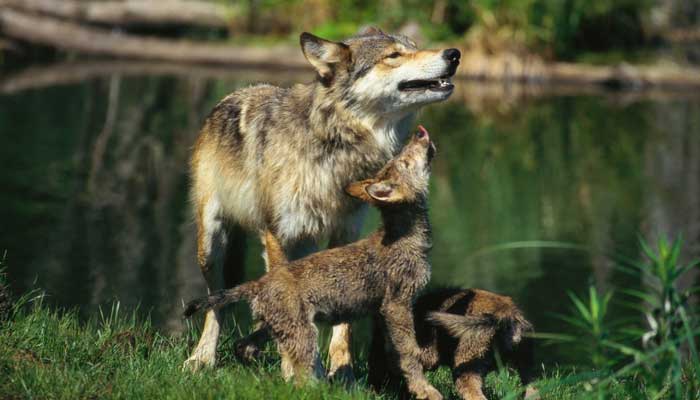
[50, 354]
[45, 353]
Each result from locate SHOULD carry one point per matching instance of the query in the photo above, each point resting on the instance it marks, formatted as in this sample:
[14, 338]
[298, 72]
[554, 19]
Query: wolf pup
[461, 328]
[381, 274]
[279, 159]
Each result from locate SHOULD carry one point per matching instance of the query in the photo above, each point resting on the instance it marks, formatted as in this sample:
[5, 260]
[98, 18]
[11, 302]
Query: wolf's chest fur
[280, 158]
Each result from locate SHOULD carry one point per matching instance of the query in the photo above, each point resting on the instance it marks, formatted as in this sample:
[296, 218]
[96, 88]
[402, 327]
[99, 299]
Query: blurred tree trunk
[673, 169]
[439, 8]
[128, 12]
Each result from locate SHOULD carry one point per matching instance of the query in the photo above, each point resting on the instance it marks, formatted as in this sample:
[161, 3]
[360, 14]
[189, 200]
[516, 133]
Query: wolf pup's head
[381, 72]
[404, 179]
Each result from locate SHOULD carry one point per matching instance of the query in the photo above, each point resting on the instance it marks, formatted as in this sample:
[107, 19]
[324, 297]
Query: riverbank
[69, 36]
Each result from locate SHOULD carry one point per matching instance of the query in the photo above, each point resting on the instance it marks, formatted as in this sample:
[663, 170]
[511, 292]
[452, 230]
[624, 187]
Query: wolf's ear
[323, 54]
[369, 31]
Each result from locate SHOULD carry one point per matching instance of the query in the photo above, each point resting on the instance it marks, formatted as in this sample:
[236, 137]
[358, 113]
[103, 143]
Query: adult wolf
[279, 158]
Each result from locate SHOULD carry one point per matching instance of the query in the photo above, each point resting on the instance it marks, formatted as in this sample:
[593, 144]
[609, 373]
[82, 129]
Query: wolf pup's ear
[384, 192]
[358, 190]
[369, 31]
[323, 54]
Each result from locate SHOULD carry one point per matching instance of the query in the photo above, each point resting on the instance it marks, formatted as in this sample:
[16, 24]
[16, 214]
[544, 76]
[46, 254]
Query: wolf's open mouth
[437, 85]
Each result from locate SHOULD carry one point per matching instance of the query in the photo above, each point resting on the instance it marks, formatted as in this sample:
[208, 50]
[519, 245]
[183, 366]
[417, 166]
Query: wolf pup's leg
[248, 348]
[523, 360]
[468, 384]
[472, 360]
[211, 254]
[339, 348]
[398, 318]
[298, 346]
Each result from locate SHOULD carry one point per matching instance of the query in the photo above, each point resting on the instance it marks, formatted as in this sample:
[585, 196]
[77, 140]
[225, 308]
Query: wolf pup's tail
[511, 327]
[221, 298]
[460, 326]
[274, 251]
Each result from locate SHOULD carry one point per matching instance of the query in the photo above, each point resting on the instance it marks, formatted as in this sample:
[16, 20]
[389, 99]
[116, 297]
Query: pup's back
[479, 316]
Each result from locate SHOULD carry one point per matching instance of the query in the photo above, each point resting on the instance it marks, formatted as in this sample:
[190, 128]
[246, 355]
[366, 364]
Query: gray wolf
[462, 329]
[381, 274]
[279, 158]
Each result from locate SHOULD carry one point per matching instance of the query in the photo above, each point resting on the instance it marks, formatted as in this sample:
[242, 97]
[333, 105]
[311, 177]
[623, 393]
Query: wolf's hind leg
[211, 255]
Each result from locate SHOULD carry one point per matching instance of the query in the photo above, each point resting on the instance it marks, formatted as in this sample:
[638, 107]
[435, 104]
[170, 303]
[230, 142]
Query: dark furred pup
[381, 274]
[461, 328]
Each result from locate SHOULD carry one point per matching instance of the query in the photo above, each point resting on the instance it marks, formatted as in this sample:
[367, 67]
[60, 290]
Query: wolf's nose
[451, 55]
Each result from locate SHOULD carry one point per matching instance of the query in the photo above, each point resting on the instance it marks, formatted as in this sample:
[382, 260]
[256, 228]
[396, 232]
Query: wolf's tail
[221, 298]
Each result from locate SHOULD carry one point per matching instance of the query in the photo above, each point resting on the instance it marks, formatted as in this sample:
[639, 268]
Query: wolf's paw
[199, 361]
[342, 374]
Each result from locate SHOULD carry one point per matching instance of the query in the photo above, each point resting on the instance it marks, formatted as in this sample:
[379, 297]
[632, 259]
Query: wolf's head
[380, 72]
[404, 179]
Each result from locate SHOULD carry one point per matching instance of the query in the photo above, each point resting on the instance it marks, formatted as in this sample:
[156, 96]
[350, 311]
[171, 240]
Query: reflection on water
[94, 189]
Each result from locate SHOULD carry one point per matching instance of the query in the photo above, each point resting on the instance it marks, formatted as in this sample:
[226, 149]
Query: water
[94, 187]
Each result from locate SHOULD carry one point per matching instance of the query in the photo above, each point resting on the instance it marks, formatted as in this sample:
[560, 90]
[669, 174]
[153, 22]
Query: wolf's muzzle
[452, 56]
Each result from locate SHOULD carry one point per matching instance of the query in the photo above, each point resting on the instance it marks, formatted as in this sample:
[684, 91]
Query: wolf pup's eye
[395, 54]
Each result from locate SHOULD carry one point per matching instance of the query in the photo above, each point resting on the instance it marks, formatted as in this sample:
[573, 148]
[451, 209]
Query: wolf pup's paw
[428, 392]
[247, 351]
[531, 393]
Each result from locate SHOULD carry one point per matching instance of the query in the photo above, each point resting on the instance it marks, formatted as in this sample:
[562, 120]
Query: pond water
[93, 186]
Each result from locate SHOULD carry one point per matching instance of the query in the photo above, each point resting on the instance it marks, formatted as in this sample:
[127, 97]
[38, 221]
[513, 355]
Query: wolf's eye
[395, 54]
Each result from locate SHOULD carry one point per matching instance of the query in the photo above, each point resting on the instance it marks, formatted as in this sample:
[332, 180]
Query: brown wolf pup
[279, 159]
[461, 328]
[381, 274]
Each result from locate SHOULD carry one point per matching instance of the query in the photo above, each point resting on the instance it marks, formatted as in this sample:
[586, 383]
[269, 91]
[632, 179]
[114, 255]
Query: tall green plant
[668, 339]
[658, 349]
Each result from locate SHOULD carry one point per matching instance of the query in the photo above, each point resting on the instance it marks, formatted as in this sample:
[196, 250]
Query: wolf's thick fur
[461, 328]
[278, 159]
[381, 274]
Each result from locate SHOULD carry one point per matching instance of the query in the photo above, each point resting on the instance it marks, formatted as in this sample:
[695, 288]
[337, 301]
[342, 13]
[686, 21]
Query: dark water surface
[93, 188]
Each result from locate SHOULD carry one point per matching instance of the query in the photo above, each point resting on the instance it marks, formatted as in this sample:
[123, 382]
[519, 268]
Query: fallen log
[67, 73]
[64, 35]
[517, 68]
[129, 12]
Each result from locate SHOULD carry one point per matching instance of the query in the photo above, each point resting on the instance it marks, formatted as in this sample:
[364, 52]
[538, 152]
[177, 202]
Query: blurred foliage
[557, 28]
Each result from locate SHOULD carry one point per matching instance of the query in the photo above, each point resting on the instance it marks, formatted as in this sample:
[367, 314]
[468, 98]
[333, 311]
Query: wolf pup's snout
[422, 134]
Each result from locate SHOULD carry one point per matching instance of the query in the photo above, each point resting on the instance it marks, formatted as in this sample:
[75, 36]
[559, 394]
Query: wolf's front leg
[212, 241]
[339, 348]
[398, 318]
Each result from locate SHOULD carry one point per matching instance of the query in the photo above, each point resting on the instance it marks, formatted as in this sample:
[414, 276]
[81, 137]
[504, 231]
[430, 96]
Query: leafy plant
[660, 354]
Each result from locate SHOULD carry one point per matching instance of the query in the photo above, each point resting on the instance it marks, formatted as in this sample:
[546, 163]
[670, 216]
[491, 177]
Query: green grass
[51, 354]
